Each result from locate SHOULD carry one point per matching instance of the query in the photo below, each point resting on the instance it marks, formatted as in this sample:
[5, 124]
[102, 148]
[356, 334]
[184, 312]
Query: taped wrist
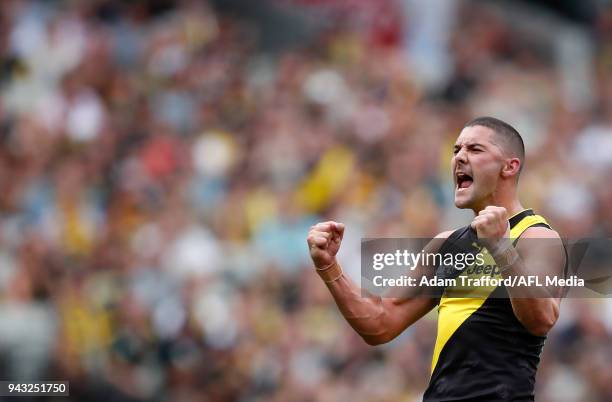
[331, 273]
[505, 257]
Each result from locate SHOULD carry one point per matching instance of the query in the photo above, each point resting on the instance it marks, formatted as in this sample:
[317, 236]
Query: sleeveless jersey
[482, 351]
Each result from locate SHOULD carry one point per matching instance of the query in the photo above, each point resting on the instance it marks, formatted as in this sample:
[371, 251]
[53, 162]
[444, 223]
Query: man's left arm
[539, 253]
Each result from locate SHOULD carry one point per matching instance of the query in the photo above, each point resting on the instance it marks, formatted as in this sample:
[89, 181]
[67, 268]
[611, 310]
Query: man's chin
[462, 202]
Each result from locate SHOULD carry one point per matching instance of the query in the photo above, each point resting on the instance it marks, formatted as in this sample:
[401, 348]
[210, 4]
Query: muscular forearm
[365, 314]
[377, 320]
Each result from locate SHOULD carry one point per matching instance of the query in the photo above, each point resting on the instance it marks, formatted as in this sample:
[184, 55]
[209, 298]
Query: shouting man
[487, 348]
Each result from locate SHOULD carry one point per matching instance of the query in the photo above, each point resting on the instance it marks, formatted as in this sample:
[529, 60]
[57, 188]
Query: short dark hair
[511, 139]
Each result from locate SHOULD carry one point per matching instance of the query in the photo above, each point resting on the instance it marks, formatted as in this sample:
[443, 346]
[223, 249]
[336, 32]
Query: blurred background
[161, 163]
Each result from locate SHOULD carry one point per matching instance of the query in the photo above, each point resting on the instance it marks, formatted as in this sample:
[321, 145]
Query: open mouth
[464, 180]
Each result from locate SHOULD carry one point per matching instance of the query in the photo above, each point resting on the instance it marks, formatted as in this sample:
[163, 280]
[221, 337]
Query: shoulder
[540, 232]
[549, 243]
[444, 235]
[438, 241]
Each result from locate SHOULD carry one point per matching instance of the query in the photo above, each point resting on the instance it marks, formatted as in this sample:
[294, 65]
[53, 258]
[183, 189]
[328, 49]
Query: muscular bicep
[543, 255]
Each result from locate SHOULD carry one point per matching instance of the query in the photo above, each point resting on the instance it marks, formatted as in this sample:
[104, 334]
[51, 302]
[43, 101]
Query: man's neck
[513, 206]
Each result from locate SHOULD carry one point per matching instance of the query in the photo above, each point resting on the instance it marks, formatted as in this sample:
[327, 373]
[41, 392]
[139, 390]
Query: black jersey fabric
[483, 353]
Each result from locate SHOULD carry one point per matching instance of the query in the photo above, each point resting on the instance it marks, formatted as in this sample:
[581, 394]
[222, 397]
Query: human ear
[511, 167]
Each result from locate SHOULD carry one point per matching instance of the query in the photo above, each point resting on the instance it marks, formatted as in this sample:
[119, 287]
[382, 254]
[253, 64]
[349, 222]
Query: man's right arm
[376, 319]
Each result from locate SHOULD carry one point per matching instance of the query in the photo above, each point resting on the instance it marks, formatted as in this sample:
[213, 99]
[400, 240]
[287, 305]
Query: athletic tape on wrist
[331, 273]
[510, 257]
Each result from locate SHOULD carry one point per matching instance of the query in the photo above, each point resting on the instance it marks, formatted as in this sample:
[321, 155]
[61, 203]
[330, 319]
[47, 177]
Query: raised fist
[324, 242]
[491, 226]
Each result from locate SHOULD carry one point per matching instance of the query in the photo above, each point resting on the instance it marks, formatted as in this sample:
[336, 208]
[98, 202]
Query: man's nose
[461, 156]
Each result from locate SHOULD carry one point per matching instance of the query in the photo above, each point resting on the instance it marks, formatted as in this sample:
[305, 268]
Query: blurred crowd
[159, 172]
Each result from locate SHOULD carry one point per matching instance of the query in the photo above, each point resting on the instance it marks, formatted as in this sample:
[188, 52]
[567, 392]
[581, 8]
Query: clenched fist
[324, 242]
[492, 226]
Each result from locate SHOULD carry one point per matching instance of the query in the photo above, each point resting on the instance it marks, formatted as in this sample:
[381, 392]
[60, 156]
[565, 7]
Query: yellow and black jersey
[482, 351]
